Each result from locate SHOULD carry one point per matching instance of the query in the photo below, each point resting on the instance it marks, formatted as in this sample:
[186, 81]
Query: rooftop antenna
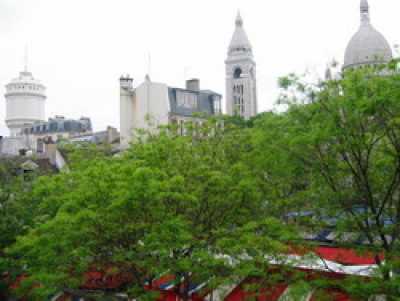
[26, 59]
[149, 64]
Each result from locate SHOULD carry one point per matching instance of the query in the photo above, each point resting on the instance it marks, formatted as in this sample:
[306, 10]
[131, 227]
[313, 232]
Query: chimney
[22, 152]
[193, 84]
[50, 150]
[126, 82]
[112, 134]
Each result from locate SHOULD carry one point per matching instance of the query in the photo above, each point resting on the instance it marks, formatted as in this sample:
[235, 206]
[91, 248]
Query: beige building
[153, 104]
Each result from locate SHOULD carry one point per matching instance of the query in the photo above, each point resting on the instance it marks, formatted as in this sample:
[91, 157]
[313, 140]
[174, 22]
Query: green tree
[209, 189]
[16, 212]
[336, 152]
[161, 207]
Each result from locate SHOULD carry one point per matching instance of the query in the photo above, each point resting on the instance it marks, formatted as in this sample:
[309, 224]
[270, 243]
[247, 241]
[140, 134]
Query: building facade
[152, 104]
[54, 129]
[33, 138]
[109, 136]
[59, 127]
[241, 82]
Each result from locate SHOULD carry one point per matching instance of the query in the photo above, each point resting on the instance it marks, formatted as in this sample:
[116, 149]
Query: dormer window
[217, 104]
[186, 100]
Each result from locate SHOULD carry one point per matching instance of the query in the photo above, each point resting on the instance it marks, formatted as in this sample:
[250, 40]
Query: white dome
[367, 46]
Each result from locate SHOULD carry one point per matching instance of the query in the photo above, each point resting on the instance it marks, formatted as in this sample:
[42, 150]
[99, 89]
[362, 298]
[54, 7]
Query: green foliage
[213, 206]
[16, 213]
[341, 151]
[161, 207]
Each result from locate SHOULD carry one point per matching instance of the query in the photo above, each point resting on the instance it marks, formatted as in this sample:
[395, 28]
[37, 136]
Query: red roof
[106, 279]
[342, 256]
[163, 281]
[335, 295]
[275, 291]
[109, 278]
[346, 256]
[272, 294]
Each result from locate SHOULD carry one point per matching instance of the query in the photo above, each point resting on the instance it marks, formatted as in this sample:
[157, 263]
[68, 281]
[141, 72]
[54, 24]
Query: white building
[368, 46]
[25, 102]
[152, 104]
[25, 117]
[241, 84]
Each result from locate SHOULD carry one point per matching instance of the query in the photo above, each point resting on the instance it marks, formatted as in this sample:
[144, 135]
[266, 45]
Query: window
[53, 127]
[186, 100]
[67, 126]
[217, 104]
[237, 73]
[238, 99]
[40, 146]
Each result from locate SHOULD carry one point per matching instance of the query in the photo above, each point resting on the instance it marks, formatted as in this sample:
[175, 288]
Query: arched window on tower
[237, 73]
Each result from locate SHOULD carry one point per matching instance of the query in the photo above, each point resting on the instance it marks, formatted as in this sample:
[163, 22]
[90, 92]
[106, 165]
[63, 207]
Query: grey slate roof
[204, 103]
[59, 125]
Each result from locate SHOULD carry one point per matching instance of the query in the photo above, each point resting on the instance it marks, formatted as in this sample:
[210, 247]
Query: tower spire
[364, 10]
[239, 20]
[240, 42]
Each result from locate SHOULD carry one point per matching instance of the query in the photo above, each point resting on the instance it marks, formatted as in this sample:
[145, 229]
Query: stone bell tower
[241, 84]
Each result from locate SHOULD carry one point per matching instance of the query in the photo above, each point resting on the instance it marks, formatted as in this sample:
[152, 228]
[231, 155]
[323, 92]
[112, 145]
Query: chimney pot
[193, 84]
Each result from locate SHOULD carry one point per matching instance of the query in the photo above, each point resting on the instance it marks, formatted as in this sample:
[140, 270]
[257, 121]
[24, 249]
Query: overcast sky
[79, 48]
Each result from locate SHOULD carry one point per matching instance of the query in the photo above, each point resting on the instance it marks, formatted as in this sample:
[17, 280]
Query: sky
[80, 48]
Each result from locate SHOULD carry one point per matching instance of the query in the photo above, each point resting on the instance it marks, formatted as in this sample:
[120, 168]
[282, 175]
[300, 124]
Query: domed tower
[241, 87]
[25, 102]
[368, 46]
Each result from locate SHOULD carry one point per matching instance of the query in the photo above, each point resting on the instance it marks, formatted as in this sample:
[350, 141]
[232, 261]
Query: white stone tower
[25, 102]
[126, 109]
[241, 84]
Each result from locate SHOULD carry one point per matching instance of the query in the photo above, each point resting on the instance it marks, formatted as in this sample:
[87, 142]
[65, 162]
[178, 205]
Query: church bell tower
[241, 87]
